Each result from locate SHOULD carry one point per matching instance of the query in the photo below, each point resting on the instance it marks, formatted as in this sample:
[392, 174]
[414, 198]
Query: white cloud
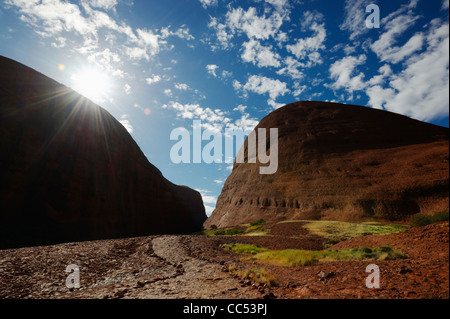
[299, 89]
[126, 123]
[237, 85]
[214, 120]
[103, 4]
[397, 54]
[421, 90]
[168, 92]
[54, 16]
[445, 5]
[384, 72]
[207, 3]
[182, 32]
[245, 123]
[207, 199]
[240, 22]
[261, 85]
[394, 25]
[274, 104]
[181, 86]
[212, 69]
[279, 5]
[342, 73]
[241, 108]
[259, 55]
[291, 68]
[309, 47]
[355, 17]
[127, 89]
[254, 26]
[226, 74]
[153, 79]
[92, 22]
[60, 42]
[223, 37]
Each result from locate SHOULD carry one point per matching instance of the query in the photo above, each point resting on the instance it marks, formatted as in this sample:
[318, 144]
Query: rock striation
[340, 162]
[70, 171]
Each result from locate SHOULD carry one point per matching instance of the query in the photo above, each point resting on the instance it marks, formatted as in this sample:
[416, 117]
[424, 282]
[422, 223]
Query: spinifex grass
[297, 257]
[258, 275]
[244, 248]
[338, 231]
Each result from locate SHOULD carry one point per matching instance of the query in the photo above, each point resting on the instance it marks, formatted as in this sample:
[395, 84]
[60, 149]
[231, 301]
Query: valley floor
[196, 267]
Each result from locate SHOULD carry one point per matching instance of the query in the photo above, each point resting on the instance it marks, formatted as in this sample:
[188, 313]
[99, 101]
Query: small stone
[404, 270]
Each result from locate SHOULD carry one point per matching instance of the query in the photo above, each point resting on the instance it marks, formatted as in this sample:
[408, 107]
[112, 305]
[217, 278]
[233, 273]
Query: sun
[92, 83]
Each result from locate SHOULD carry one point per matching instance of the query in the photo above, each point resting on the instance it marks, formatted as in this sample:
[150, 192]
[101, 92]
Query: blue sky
[159, 65]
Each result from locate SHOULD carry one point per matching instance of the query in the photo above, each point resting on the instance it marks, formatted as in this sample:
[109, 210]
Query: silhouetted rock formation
[69, 171]
[340, 162]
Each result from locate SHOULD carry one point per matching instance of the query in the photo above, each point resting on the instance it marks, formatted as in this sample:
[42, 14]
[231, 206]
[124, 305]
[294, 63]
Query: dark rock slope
[69, 171]
[341, 162]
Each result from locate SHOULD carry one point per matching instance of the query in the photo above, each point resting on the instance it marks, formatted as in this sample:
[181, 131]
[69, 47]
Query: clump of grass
[440, 216]
[330, 243]
[287, 257]
[420, 220]
[297, 257]
[258, 275]
[253, 229]
[244, 248]
[338, 231]
[226, 232]
[259, 222]
[362, 253]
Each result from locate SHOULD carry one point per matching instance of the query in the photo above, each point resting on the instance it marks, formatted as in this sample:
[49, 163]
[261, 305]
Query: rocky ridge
[340, 162]
[70, 171]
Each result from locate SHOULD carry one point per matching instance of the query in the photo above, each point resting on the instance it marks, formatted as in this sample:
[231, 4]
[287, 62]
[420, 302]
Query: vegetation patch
[297, 257]
[258, 223]
[259, 275]
[252, 229]
[336, 231]
[420, 220]
[244, 248]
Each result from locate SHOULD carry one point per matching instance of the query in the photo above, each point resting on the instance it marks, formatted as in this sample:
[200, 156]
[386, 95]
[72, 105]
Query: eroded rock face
[341, 162]
[69, 171]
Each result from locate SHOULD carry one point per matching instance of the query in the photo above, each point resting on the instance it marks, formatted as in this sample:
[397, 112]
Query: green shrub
[258, 223]
[440, 217]
[233, 231]
[213, 227]
[228, 232]
[420, 220]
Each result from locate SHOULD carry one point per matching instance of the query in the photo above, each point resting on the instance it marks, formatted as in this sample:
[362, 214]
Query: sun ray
[93, 83]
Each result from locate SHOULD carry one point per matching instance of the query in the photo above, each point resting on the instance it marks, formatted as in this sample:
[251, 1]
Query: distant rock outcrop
[341, 162]
[69, 171]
